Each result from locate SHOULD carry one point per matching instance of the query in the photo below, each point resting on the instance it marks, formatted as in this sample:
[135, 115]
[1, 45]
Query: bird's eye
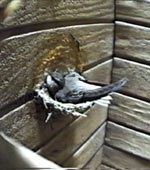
[35, 93]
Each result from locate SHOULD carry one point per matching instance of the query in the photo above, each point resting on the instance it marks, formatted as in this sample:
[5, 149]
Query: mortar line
[28, 28]
[113, 52]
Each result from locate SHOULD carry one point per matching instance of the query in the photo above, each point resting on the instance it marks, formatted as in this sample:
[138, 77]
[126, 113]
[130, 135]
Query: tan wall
[36, 32]
[127, 133]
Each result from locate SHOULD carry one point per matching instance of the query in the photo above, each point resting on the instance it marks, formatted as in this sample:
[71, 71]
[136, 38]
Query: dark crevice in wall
[18, 30]
[101, 148]
[114, 40]
[130, 21]
[110, 167]
[107, 145]
[111, 74]
[106, 164]
[122, 150]
[132, 59]
[93, 64]
[15, 104]
[135, 96]
[129, 126]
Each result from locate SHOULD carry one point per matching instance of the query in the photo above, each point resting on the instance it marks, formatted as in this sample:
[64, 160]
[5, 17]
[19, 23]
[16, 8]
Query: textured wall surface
[39, 11]
[128, 131]
[113, 42]
[43, 35]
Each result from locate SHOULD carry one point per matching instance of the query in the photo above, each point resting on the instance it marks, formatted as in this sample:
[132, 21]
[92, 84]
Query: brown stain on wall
[63, 55]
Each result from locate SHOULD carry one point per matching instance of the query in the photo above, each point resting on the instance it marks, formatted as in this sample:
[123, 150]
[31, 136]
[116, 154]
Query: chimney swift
[73, 88]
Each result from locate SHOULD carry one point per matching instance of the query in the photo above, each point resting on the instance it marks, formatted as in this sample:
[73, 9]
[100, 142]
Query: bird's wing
[74, 96]
[92, 82]
[95, 94]
[69, 96]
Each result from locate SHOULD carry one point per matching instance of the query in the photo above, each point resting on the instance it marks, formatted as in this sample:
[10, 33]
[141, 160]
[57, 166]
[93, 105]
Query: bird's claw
[48, 117]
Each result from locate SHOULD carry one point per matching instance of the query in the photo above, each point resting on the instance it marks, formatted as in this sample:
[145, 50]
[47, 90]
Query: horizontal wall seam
[18, 30]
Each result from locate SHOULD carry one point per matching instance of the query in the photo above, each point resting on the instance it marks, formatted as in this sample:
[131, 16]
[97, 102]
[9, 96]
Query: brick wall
[128, 130]
[30, 38]
[114, 42]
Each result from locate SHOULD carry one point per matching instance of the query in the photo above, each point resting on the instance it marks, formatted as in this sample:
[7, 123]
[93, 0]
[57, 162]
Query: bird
[74, 88]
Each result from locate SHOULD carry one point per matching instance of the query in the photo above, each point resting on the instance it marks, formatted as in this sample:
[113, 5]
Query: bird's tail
[104, 91]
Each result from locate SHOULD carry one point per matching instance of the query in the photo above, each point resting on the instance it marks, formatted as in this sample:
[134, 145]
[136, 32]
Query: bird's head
[58, 78]
[54, 82]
